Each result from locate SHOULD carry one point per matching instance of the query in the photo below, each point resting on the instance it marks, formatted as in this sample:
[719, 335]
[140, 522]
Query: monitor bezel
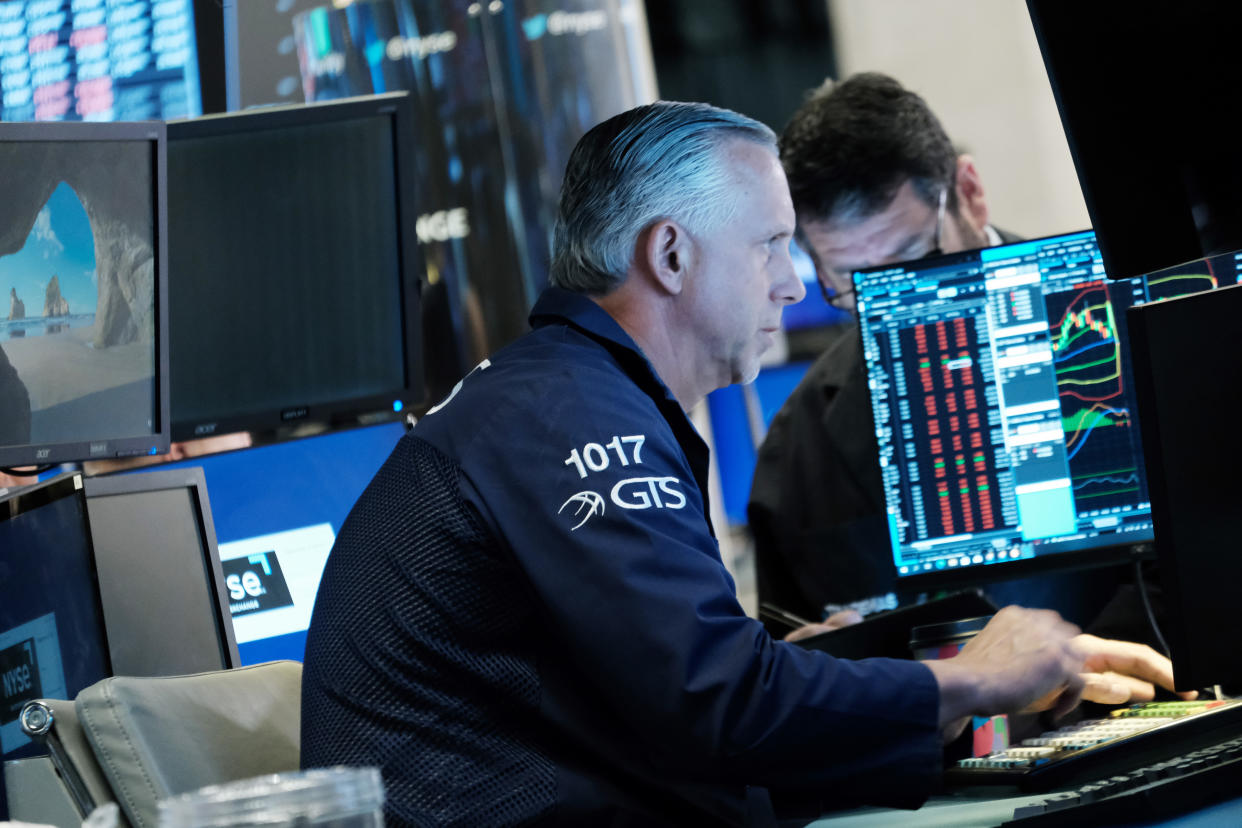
[157, 442]
[193, 479]
[274, 424]
[1097, 557]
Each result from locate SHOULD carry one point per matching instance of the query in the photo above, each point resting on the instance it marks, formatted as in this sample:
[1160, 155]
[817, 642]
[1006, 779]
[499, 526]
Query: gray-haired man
[525, 618]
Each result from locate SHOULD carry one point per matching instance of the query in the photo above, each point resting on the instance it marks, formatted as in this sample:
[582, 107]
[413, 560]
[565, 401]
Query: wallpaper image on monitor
[77, 291]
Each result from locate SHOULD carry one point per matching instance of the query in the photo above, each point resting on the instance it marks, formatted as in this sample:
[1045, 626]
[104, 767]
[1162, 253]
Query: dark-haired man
[874, 180]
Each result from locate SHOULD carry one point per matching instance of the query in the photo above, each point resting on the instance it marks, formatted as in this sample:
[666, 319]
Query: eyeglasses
[830, 298]
[836, 300]
[839, 299]
[937, 249]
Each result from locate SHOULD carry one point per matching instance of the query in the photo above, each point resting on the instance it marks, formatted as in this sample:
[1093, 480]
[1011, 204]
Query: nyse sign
[442, 225]
[255, 583]
[19, 678]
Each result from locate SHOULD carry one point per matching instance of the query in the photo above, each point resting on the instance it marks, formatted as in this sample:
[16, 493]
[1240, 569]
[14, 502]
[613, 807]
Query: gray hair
[654, 162]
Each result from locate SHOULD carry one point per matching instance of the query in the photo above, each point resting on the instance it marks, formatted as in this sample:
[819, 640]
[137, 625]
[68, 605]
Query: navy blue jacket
[525, 618]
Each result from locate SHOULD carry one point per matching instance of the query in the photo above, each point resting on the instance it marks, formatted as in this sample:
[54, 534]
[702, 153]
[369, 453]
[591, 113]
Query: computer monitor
[1124, 72]
[83, 308]
[1188, 382]
[277, 510]
[96, 60]
[296, 273]
[165, 600]
[52, 638]
[1004, 408]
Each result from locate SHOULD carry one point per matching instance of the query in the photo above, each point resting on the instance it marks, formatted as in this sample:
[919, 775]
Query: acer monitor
[296, 273]
[83, 302]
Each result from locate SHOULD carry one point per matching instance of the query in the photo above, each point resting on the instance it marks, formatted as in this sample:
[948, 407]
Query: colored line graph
[1088, 337]
[1078, 426]
[1119, 481]
[1186, 282]
[1186, 279]
[1078, 332]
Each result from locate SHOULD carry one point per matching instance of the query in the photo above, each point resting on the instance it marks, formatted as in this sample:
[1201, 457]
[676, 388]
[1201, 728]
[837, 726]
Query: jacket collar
[557, 305]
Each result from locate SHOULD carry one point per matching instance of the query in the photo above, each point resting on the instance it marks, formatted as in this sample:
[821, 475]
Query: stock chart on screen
[1003, 398]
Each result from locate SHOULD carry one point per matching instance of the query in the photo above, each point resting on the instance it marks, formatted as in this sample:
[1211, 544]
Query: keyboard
[1155, 792]
[1128, 740]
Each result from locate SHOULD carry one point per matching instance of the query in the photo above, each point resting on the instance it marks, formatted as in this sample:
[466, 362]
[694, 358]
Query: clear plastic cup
[337, 797]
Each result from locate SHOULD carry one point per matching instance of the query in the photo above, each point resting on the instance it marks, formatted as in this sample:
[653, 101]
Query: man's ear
[667, 250]
[971, 201]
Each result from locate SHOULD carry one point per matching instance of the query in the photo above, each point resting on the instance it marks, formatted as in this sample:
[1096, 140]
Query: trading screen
[1003, 398]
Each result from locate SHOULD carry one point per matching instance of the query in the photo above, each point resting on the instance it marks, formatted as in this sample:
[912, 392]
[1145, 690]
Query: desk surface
[982, 808]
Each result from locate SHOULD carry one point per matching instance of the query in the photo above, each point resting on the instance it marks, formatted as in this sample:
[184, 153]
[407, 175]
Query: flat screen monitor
[101, 60]
[1003, 399]
[83, 308]
[165, 598]
[1124, 73]
[1189, 388]
[296, 273]
[277, 509]
[52, 637]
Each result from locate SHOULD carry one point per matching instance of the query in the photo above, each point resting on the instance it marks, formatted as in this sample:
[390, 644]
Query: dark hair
[656, 161]
[851, 146]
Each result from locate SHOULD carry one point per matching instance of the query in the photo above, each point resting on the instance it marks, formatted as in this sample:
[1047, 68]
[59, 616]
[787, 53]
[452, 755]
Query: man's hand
[1022, 660]
[1032, 660]
[1118, 672]
[836, 621]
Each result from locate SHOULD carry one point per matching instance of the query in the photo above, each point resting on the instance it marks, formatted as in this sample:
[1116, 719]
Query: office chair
[138, 740]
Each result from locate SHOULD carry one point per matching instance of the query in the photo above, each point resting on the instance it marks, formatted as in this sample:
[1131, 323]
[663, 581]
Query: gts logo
[648, 493]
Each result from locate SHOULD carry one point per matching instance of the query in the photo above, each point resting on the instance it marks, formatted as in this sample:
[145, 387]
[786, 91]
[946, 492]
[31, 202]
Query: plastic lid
[280, 798]
[948, 632]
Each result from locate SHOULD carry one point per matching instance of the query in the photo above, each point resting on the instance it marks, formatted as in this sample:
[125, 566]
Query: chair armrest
[54, 724]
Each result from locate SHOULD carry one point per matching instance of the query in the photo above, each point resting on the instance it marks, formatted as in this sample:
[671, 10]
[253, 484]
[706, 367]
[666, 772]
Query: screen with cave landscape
[77, 292]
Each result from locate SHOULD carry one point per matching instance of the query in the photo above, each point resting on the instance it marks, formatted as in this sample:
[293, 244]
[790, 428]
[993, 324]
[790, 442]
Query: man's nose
[789, 289]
